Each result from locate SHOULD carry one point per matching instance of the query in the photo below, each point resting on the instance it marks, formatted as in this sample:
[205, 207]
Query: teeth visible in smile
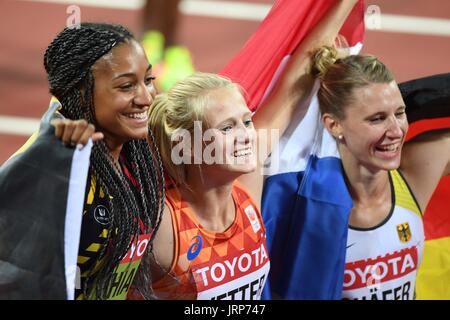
[140, 116]
[391, 147]
[241, 153]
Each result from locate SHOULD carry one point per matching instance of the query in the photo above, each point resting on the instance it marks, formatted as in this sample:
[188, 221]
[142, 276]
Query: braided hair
[68, 61]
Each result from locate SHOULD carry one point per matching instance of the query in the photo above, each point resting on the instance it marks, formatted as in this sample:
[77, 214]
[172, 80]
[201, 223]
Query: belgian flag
[41, 201]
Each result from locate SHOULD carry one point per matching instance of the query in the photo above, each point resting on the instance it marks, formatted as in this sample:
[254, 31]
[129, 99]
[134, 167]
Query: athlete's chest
[381, 263]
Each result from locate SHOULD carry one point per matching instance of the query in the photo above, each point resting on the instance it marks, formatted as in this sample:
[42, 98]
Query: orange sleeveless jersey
[231, 265]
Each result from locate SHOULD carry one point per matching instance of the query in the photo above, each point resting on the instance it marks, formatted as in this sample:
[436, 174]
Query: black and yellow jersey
[94, 231]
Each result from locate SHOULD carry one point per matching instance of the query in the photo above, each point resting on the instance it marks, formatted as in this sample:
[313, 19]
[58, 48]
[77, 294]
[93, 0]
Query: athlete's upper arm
[163, 246]
[425, 160]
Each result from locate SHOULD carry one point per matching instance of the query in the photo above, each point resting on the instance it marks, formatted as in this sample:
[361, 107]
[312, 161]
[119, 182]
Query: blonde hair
[177, 109]
[340, 77]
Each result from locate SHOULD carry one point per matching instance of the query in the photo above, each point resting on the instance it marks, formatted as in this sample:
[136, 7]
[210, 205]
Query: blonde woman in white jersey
[391, 182]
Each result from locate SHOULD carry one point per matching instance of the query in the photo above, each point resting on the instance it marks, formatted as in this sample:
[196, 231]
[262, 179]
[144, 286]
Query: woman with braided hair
[102, 78]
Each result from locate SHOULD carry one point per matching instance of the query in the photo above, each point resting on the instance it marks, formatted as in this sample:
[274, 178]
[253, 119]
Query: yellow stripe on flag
[434, 272]
[33, 137]
[27, 144]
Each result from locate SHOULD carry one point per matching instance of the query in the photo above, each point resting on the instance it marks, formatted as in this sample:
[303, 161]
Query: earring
[340, 137]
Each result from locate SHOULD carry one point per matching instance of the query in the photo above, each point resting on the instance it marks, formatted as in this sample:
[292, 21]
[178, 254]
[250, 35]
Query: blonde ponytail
[323, 59]
[339, 77]
[162, 131]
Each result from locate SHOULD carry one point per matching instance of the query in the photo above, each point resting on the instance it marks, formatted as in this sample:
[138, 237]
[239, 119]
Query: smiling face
[374, 127]
[233, 134]
[123, 93]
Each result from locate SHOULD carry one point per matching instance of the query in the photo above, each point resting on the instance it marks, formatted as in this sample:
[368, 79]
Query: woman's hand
[75, 132]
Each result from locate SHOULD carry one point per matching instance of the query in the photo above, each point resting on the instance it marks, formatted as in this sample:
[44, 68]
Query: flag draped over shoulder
[41, 201]
[307, 261]
[428, 108]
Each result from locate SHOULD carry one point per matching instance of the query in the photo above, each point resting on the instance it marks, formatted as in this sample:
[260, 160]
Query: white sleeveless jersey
[381, 262]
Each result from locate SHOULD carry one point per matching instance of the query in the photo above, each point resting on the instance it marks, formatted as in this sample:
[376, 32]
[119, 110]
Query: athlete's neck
[211, 201]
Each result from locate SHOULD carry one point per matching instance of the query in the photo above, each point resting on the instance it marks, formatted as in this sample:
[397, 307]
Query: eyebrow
[131, 74]
[231, 118]
[382, 112]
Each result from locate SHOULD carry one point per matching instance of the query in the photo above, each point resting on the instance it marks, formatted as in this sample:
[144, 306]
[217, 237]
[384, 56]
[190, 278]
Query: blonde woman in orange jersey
[211, 241]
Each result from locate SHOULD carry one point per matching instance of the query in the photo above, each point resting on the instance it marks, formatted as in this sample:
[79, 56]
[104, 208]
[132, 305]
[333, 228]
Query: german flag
[428, 108]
